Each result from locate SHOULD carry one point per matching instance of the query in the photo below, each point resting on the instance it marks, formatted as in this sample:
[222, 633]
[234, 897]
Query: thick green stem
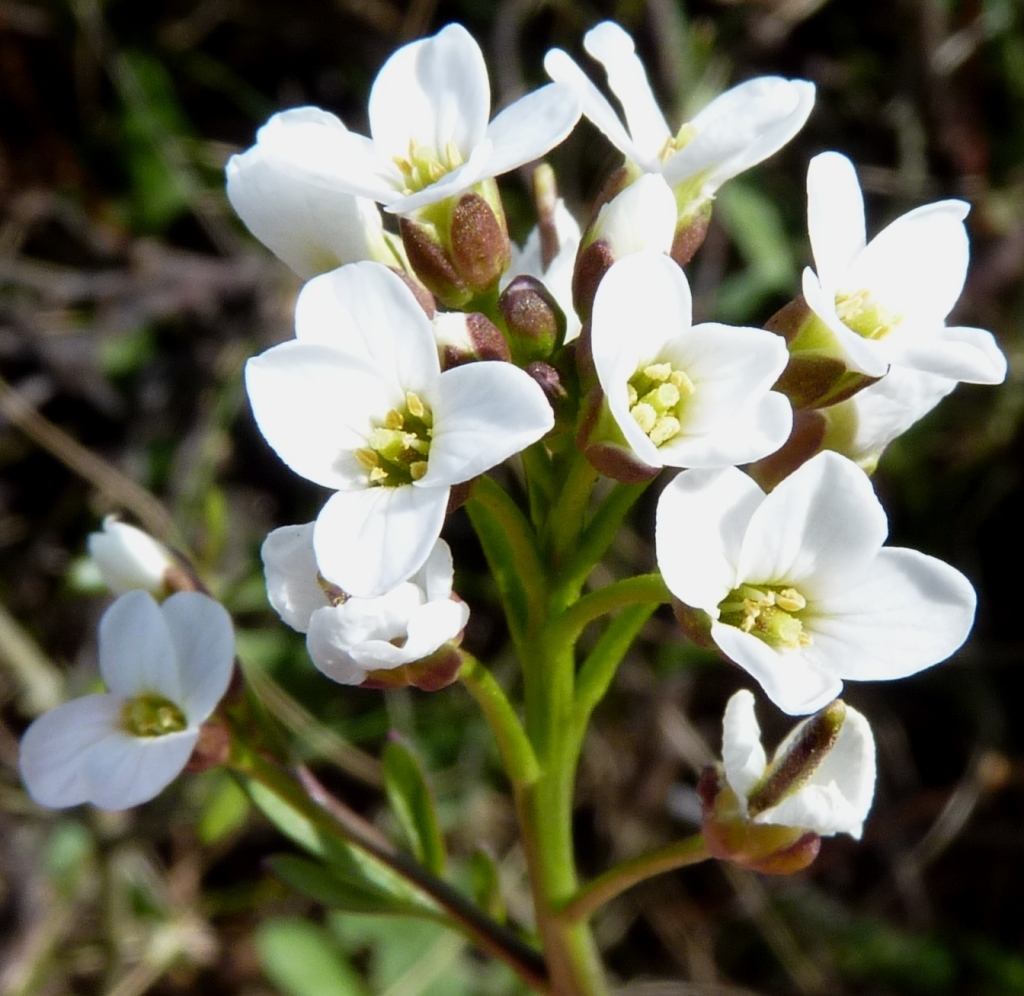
[616, 880]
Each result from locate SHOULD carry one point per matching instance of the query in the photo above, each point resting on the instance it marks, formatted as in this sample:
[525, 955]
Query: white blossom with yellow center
[797, 586]
[683, 395]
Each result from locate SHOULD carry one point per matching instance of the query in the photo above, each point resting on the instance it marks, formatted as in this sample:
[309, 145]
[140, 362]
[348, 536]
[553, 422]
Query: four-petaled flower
[737, 130]
[358, 403]
[886, 300]
[796, 585]
[167, 667]
[349, 637]
[683, 395]
[429, 109]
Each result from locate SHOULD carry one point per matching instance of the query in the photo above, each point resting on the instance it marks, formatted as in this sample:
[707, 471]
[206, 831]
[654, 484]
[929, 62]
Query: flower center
[861, 313]
[397, 450]
[152, 715]
[657, 396]
[686, 134]
[769, 612]
[424, 166]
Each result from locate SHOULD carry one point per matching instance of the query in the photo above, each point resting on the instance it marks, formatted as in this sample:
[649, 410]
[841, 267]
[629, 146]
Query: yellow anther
[666, 428]
[658, 372]
[682, 382]
[378, 475]
[644, 416]
[367, 458]
[790, 600]
[631, 395]
[417, 469]
[414, 404]
[394, 420]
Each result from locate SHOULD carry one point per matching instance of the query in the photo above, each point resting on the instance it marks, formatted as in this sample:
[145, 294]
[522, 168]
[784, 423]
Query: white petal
[641, 217]
[908, 612]
[916, 266]
[329, 657]
[701, 519]
[835, 217]
[823, 809]
[819, 530]
[792, 682]
[204, 642]
[437, 573]
[742, 127]
[742, 753]
[757, 430]
[962, 354]
[483, 413]
[434, 92]
[291, 572]
[367, 542]
[136, 652]
[312, 227]
[316, 405]
[531, 127]
[128, 558]
[123, 770]
[428, 628]
[627, 79]
[868, 356]
[366, 309]
[53, 747]
[596, 107]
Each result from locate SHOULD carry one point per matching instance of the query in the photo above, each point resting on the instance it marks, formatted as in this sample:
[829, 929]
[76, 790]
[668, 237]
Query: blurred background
[130, 298]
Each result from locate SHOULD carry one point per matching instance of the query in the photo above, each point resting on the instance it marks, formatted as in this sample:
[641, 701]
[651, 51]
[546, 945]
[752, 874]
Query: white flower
[797, 585]
[557, 274]
[311, 227]
[833, 797]
[735, 131]
[128, 558]
[683, 395]
[347, 639]
[167, 667]
[358, 403]
[429, 109]
[886, 300]
[640, 217]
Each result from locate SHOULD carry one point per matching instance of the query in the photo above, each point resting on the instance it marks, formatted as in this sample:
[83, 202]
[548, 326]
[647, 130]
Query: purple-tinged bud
[805, 439]
[431, 674]
[429, 258]
[423, 297]
[463, 338]
[690, 235]
[592, 264]
[480, 249]
[535, 324]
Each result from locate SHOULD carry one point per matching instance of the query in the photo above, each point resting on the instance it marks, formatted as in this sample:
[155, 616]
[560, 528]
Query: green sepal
[412, 802]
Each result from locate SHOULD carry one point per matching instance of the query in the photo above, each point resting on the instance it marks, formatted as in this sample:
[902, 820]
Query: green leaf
[224, 811]
[301, 959]
[486, 885]
[322, 883]
[413, 805]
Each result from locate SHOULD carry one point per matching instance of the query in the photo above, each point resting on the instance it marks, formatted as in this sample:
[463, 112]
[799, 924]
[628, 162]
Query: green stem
[516, 750]
[616, 880]
[340, 824]
[611, 598]
[569, 512]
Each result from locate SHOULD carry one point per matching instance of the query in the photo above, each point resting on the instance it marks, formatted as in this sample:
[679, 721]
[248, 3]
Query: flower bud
[130, 559]
[818, 374]
[430, 674]
[534, 322]
[807, 437]
[429, 258]
[463, 338]
[479, 241]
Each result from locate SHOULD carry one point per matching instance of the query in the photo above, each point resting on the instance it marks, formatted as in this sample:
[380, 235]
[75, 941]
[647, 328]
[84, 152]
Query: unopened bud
[130, 559]
[432, 263]
[535, 323]
[431, 674]
[805, 439]
[690, 235]
[480, 248]
[463, 338]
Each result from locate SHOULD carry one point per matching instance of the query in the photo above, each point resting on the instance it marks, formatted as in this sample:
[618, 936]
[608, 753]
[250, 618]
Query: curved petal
[640, 218]
[123, 771]
[835, 217]
[204, 642]
[327, 655]
[483, 413]
[427, 629]
[627, 79]
[136, 652]
[366, 309]
[917, 265]
[908, 612]
[367, 542]
[531, 127]
[53, 747]
[962, 354]
[433, 92]
[742, 754]
[756, 431]
[740, 128]
[316, 405]
[312, 227]
[596, 108]
[291, 571]
[824, 809]
[819, 530]
[701, 519]
[129, 558]
[437, 573]
[792, 682]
